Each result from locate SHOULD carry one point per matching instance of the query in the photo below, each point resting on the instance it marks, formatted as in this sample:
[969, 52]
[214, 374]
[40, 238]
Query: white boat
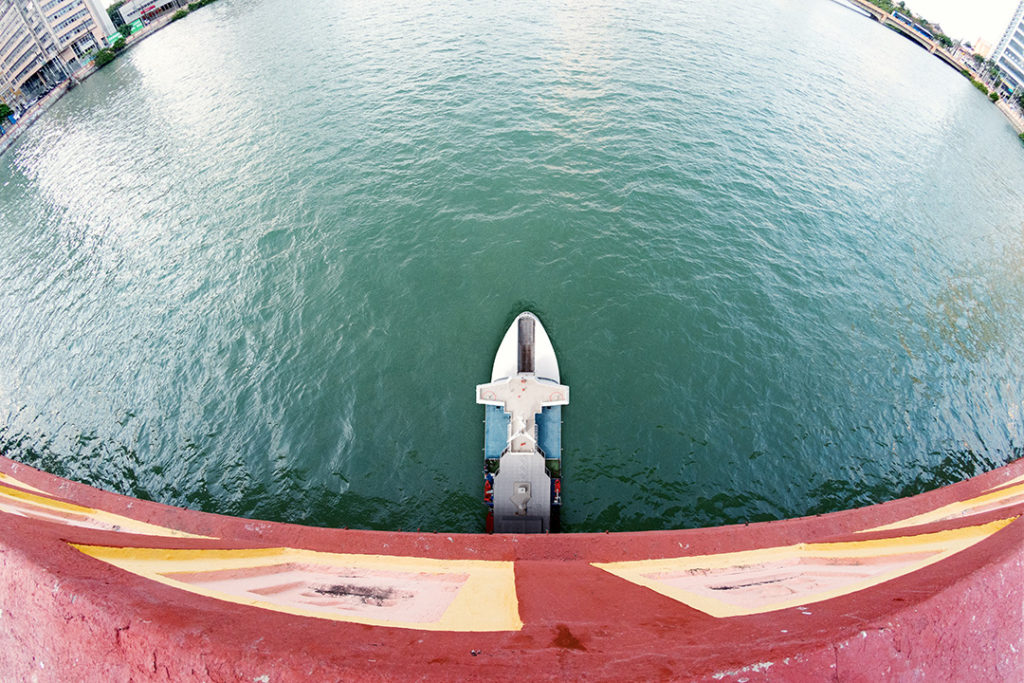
[523, 431]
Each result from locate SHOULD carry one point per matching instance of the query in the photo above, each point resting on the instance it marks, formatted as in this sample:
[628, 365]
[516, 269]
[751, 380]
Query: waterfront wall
[96, 586]
[12, 133]
[1013, 113]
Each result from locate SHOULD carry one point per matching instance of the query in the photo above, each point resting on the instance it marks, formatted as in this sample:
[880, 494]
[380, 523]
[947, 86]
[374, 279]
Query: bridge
[95, 586]
[887, 19]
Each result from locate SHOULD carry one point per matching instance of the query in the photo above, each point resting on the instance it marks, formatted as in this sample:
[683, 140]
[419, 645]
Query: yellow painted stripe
[100, 517]
[934, 547]
[8, 479]
[1015, 480]
[487, 600]
[957, 509]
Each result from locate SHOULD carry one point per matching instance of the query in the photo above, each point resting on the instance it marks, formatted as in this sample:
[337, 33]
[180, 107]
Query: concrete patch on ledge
[769, 579]
[43, 507]
[378, 590]
[998, 499]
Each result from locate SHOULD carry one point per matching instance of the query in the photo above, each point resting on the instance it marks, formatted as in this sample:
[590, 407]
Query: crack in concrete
[117, 634]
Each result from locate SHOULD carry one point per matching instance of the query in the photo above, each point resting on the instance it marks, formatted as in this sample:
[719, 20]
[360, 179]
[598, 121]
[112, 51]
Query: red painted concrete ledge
[99, 587]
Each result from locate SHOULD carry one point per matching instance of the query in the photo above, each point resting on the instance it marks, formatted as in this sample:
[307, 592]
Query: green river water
[257, 265]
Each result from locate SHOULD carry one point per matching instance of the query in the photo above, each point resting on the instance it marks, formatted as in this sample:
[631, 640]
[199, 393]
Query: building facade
[43, 41]
[146, 9]
[983, 47]
[1009, 54]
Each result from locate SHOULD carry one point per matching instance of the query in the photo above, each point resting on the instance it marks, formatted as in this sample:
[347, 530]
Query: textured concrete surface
[926, 588]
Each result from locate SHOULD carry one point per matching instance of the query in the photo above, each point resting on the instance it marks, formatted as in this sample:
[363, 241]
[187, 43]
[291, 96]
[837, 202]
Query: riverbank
[32, 114]
[1013, 114]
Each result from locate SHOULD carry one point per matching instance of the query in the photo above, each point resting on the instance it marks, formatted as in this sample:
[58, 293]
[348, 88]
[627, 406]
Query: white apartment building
[1009, 54]
[43, 41]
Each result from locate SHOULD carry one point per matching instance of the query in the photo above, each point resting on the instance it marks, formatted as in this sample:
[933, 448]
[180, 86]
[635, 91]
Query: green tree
[104, 57]
[978, 59]
[5, 111]
[944, 40]
[883, 5]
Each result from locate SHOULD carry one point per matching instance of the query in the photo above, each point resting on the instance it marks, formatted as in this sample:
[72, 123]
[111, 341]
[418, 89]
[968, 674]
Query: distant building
[1009, 54]
[146, 9]
[983, 48]
[43, 41]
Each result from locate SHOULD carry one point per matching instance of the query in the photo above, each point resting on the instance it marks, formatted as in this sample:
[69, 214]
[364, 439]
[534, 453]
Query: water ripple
[782, 278]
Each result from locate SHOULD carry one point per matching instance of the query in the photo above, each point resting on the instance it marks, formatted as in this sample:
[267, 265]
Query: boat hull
[512, 358]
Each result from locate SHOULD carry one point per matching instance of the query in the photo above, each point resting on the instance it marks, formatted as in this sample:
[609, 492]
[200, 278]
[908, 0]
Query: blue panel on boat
[549, 431]
[495, 431]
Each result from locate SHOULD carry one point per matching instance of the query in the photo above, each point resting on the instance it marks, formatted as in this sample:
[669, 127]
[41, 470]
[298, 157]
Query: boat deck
[522, 398]
[523, 425]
